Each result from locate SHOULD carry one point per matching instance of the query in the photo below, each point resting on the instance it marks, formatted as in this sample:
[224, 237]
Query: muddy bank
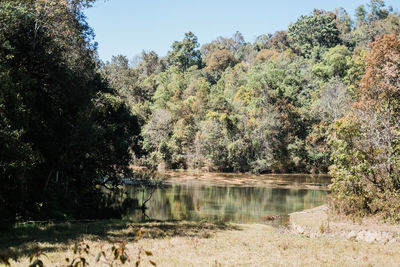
[284, 181]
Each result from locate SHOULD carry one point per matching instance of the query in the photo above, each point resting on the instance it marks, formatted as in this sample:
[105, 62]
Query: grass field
[193, 244]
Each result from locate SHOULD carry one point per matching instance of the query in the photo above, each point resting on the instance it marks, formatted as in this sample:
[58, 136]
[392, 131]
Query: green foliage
[365, 143]
[63, 128]
[335, 63]
[185, 54]
[378, 11]
[360, 14]
[318, 30]
[261, 107]
[371, 22]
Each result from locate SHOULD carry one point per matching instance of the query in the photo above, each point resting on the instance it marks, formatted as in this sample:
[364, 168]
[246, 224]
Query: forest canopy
[266, 106]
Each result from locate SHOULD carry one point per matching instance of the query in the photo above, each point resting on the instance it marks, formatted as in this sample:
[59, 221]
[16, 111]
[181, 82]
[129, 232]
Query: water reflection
[196, 201]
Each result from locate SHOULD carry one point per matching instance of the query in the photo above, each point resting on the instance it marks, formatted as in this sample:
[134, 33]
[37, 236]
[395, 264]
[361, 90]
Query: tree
[366, 142]
[215, 136]
[219, 60]
[343, 21]
[334, 101]
[150, 63]
[234, 43]
[360, 15]
[381, 88]
[185, 54]
[289, 151]
[335, 63]
[280, 41]
[372, 22]
[69, 130]
[261, 42]
[318, 30]
[122, 77]
[378, 12]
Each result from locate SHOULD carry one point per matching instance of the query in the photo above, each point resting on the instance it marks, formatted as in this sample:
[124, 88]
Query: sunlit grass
[197, 244]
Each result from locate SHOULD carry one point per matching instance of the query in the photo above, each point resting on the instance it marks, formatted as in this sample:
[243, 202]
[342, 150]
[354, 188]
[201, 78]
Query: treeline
[63, 129]
[266, 106]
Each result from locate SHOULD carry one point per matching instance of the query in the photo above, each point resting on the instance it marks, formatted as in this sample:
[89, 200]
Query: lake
[231, 197]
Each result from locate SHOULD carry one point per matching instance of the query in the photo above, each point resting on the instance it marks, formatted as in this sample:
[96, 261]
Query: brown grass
[204, 244]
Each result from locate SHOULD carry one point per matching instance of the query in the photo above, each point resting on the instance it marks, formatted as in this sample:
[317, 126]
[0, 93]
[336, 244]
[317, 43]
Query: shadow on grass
[24, 240]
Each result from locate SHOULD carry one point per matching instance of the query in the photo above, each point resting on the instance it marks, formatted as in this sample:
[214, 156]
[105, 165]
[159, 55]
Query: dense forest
[321, 95]
[266, 106]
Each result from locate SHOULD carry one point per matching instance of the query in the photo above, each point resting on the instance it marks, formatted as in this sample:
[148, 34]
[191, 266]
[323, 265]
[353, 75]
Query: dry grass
[323, 221]
[202, 244]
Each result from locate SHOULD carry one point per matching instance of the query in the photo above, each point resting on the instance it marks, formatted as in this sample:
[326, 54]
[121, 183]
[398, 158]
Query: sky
[128, 27]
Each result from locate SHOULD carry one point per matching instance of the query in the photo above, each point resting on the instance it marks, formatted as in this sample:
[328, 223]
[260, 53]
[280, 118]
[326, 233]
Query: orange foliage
[220, 59]
[382, 73]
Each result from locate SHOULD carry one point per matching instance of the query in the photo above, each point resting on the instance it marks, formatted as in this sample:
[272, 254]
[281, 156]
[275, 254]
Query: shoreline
[319, 222]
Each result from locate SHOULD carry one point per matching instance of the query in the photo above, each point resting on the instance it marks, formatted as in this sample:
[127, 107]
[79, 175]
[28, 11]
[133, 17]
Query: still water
[238, 198]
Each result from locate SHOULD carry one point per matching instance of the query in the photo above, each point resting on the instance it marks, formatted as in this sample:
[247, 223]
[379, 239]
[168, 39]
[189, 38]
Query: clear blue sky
[129, 26]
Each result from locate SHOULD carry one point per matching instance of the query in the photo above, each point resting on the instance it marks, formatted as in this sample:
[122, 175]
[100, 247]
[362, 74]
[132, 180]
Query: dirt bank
[320, 222]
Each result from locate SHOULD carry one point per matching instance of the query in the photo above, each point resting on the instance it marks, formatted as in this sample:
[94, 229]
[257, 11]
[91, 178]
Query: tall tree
[318, 30]
[360, 14]
[377, 10]
[366, 142]
[185, 54]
